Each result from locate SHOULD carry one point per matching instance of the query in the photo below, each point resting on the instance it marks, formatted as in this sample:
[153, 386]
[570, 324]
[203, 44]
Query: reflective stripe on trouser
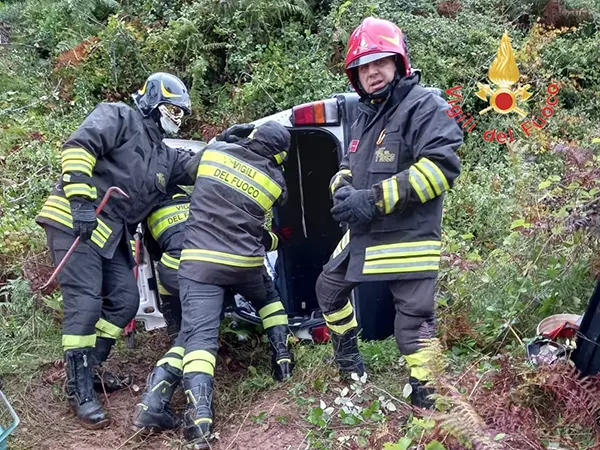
[413, 300]
[168, 290]
[201, 306]
[100, 295]
[273, 314]
[174, 357]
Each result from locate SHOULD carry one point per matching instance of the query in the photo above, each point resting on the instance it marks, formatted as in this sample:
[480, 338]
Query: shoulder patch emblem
[161, 179]
[353, 146]
[384, 156]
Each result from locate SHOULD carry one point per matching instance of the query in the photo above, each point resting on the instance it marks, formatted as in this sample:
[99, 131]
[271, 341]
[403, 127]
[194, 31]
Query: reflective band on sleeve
[270, 309]
[434, 175]
[78, 153]
[55, 202]
[342, 244]
[77, 160]
[108, 328]
[274, 241]
[420, 184]
[346, 311]
[272, 321]
[169, 261]
[59, 216]
[81, 189]
[71, 341]
[216, 257]
[391, 194]
[164, 218]
[78, 166]
[240, 176]
[341, 329]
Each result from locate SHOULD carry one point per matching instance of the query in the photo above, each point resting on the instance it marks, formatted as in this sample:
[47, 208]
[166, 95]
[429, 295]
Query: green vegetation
[520, 227]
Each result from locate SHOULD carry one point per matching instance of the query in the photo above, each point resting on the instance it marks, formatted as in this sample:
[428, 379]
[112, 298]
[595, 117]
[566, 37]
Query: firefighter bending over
[224, 249]
[114, 146]
[389, 190]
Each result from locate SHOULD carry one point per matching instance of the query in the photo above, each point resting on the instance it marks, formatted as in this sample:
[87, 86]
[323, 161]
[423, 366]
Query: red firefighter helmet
[375, 39]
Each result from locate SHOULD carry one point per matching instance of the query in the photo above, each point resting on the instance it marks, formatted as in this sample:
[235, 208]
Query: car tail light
[316, 113]
[320, 334]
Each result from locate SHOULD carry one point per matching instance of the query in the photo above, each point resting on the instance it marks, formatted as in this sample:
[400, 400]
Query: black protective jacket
[236, 185]
[115, 146]
[404, 149]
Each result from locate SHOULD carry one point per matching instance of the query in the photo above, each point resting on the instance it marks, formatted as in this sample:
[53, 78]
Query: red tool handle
[65, 258]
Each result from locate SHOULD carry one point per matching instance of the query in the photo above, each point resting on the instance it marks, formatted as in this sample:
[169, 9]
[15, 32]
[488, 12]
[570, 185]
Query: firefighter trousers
[168, 289]
[202, 305]
[100, 296]
[413, 301]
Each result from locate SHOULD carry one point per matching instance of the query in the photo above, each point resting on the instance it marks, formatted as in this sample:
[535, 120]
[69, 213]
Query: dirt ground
[48, 424]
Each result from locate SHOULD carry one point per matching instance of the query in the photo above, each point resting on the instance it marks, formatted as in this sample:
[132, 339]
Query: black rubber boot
[346, 354]
[282, 360]
[105, 381]
[198, 416]
[420, 394]
[80, 392]
[154, 409]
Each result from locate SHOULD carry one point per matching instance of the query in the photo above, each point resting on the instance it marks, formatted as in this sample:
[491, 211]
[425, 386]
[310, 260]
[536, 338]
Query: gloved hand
[235, 133]
[358, 208]
[84, 217]
[342, 194]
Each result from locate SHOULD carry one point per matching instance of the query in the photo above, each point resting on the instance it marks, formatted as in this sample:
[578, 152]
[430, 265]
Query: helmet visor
[369, 58]
[173, 112]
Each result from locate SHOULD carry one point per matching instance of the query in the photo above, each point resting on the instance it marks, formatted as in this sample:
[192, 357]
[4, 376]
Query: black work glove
[342, 194]
[84, 218]
[359, 208]
[235, 133]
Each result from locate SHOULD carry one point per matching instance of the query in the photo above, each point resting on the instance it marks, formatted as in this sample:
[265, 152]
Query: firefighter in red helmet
[389, 191]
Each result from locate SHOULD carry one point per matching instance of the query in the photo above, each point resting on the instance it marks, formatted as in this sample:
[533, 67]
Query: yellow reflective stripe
[71, 341]
[80, 189]
[420, 184]
[108, 328]
[417, 248]
[52, 213]
[200, 355]
[216, 257]
[274, 241]
[76, 166]
[63, 205]
[162, 290]
[202, 420]
[163, 218]
[177, 350]
[177, 363]
[169, 261]
[417, 361]
[342, 244]
[166, 93]
[346, 311]
[338, 179]
[199, 366]
[391, 194]
[274, 321]
[434, 174]
[401, 265]
[270, 309]
[341, 329]
[280, 157]
[103, 334]
[78, 153]
[246, 171]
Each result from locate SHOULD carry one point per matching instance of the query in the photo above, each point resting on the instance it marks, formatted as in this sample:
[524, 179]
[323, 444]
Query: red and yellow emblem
[504, 73]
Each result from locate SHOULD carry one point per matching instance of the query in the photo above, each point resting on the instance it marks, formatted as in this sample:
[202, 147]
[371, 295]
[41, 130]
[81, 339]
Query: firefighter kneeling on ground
[114, 146]
[389, 190]
[166, 225]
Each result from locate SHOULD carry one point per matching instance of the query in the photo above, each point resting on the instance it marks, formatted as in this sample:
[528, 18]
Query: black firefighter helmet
[167, 94]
